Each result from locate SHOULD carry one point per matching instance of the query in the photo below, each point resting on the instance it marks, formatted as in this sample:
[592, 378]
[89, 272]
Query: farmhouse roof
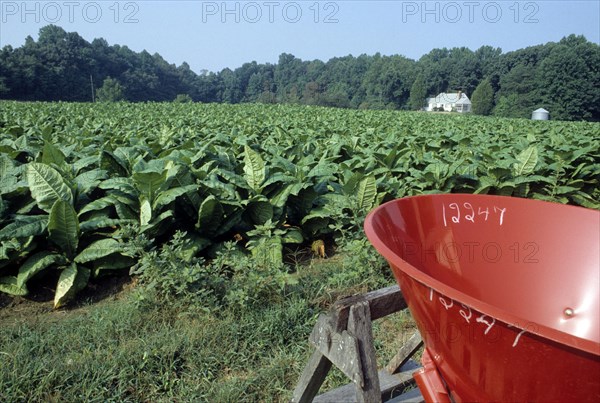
[450, 98]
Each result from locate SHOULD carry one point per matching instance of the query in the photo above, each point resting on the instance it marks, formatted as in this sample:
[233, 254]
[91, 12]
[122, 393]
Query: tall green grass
[122, 351]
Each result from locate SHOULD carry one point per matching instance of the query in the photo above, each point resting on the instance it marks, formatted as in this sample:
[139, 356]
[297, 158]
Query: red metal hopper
[505, 292]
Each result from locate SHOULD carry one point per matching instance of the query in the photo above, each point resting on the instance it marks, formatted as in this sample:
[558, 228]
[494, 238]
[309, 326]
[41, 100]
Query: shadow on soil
[40, 298]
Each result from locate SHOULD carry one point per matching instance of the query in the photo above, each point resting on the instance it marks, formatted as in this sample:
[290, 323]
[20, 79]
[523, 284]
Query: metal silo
[540, 114]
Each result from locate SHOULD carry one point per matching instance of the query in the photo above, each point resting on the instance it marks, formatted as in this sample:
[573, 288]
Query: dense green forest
[562, 77]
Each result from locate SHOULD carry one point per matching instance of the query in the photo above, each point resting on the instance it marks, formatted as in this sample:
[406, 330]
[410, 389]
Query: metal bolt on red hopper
[505, 292]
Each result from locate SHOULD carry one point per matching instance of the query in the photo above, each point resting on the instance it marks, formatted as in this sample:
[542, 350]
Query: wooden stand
[344, 338]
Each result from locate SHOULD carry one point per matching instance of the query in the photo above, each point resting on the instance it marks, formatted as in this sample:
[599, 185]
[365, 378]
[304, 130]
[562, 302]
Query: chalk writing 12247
[455, 213]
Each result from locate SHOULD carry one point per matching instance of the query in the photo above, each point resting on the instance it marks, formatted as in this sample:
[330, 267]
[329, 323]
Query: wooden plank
[312, 378]
[404, 379]
[360, 325]
[320, 337]
[411, 396]
[389, 301]
[342, 349]
[406, 352]
[391, 385]
[381, 303]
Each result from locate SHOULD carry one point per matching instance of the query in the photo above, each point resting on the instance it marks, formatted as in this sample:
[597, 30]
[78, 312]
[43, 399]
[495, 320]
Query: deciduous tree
[111, 91]
[418, 93]
[483, 98]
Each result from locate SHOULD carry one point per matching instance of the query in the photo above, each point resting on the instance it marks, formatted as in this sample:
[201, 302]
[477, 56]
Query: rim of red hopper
[392, 258]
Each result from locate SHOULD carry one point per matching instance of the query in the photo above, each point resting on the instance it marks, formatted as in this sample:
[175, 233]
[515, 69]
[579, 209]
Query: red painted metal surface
[505, 292]
[430, 382]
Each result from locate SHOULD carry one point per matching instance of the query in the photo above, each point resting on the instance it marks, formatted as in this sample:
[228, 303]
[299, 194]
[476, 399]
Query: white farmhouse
[449, 101]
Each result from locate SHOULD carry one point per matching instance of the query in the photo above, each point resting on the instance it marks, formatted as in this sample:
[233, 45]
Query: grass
[117, 350]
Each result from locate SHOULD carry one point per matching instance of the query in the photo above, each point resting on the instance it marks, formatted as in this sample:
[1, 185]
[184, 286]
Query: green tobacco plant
[79, 183]
[59, 227]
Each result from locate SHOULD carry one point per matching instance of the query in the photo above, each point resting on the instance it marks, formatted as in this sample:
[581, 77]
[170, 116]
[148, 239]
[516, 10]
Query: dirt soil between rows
[40, 299]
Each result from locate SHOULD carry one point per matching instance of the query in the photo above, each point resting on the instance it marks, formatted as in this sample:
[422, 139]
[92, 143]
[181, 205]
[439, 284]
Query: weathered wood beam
[407, 350]
[381, 302]
[312, 378]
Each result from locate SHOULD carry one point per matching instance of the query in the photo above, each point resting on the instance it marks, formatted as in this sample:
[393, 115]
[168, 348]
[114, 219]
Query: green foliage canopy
[483, 98]
[562, 77]
[111, 91]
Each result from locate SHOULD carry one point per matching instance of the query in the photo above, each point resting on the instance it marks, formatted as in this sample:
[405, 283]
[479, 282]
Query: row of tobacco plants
[87, 189]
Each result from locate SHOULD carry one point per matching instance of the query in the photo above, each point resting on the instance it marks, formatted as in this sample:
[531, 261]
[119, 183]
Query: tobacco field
[81, 184]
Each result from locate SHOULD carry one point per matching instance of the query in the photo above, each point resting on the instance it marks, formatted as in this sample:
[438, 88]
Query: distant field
[80, 181]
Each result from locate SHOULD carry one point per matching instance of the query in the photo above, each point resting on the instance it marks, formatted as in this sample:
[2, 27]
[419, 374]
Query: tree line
[562, 77]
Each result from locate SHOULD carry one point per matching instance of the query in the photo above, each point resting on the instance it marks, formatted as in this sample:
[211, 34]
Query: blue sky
[213, 35]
